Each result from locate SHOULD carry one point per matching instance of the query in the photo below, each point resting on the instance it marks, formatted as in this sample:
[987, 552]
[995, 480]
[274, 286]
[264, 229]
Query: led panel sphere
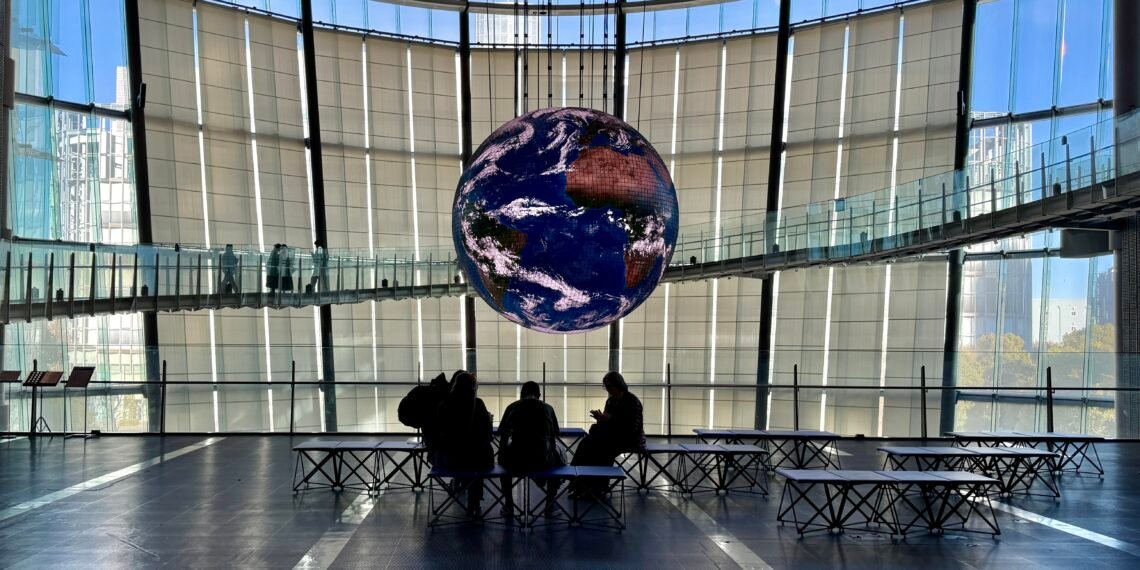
[565, 219]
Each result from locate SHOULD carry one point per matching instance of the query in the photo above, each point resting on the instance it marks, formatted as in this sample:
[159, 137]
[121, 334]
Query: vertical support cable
[957, 258]
[312, 126]
[619, 112]
[780, 88]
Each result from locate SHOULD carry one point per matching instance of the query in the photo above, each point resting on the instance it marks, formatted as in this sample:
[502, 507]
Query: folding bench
[1075, 450]
[816, 500]
[938, 501]
[714, 436]
[928, 458]
[548, 507]
[894, 502]
[357, 465]
[802, 449]
[1017, 469]
[657, 461]
[455, 484]
[408, 462]
[317, 466]
[603, 492]
[718, 468]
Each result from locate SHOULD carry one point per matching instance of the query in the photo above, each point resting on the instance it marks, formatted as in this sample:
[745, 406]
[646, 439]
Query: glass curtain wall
[1025, 310]
[71, 178]
[871, 106]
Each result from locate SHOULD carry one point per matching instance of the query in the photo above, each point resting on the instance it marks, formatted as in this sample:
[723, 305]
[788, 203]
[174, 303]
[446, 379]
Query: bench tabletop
[915, 476]
[863, 477]
[714, 432]
[317, 445]
[743, 448]
[929, 451]
[963, 477]
[800, 434]
[358, 445]
[970, 434]
[1060, 436]
[562, 471]
[601, 472]
[748, 432]
[810, 475]
[572, 431]
[400, 446]
[702, 448]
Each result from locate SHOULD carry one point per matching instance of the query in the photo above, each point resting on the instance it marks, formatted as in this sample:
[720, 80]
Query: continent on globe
[565, 220]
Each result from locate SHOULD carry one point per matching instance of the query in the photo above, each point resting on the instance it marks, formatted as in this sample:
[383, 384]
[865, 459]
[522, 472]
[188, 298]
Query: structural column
[320, 227]
[142, 209]
[956, 259]
[465, 157]
[1126, 98]
[619, 112]
[776, 151]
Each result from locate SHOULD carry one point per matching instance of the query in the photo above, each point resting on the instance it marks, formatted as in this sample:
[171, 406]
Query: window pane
[1080, 53]
[69, 53]
[993, 54]
[1036, 50]
[108, 55]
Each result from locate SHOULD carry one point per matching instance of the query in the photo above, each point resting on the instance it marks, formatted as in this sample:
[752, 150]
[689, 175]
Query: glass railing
[934, 207]
[46, 279]
[677, 394]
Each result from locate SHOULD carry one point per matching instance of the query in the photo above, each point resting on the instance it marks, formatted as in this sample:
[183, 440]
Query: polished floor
[195, 502]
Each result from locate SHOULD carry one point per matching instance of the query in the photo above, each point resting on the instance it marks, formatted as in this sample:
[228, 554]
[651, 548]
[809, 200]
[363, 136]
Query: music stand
[9, 377]
[80, 378]
[41, 379]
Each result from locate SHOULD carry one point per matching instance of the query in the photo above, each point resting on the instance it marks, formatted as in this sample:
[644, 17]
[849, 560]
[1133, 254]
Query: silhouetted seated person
[417, 409]
[461, 435]
[528, 436]
[619, 428]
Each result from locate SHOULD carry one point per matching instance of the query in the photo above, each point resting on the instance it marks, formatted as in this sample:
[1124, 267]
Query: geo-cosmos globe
[565, 219]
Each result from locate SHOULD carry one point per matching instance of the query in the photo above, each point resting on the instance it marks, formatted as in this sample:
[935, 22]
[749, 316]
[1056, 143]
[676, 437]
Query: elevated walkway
[1082, 179]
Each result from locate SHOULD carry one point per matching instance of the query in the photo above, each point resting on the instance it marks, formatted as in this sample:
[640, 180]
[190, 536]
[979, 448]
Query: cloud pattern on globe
[565, 219]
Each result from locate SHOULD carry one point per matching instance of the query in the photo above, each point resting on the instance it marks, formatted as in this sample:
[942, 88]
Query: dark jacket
[461, 436]
[528, 436]
[626, 426]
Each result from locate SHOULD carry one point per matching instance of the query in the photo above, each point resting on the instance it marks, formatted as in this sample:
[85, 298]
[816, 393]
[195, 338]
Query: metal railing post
[1049, 398]
[162, 401]
[543, 380]
[922, 399]
[48, 308]
[796, 396]
[70, 285]
[669, 400]
[114, 280]
[1068, 165]
[292, 395]
[1092, 165]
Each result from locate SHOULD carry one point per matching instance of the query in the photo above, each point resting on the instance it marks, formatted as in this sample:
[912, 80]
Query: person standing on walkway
[273, 271]
[229, 266]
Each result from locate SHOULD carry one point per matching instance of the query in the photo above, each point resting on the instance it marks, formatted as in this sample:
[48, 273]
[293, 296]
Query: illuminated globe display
[565, 220]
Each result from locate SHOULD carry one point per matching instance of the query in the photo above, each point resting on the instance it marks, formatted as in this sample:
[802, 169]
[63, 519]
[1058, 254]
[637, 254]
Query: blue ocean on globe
[565, 219]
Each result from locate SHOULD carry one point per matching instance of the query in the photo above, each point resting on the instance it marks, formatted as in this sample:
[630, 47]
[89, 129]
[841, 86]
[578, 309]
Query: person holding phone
[619, 428]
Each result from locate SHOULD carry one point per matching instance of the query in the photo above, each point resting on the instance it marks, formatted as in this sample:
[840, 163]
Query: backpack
[418, 407]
